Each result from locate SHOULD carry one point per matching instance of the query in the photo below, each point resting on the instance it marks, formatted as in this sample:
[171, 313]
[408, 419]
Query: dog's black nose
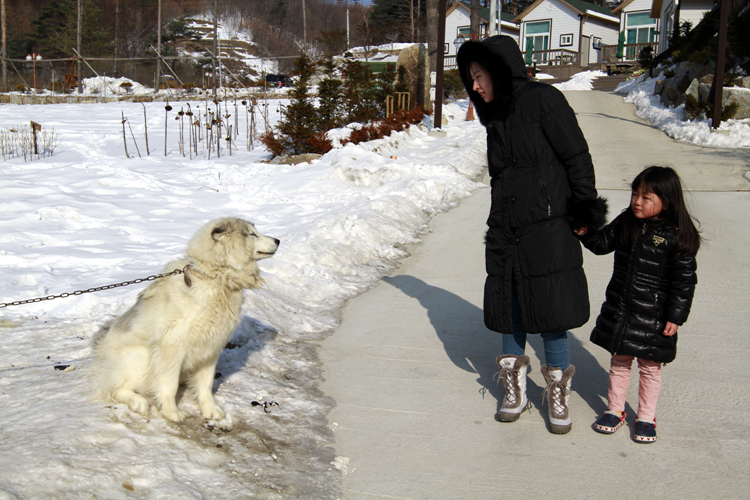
[276, 240]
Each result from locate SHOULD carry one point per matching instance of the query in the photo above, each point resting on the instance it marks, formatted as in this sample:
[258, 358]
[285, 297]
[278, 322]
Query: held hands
[670, 329]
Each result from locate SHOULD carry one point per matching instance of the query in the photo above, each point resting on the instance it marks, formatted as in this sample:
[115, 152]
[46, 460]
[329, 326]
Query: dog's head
[231, 247]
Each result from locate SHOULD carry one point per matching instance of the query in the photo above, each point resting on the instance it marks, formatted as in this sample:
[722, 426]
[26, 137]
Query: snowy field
[88, 216]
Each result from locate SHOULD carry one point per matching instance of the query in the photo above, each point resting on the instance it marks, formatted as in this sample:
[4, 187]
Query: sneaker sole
[606, 429]
[644, 439]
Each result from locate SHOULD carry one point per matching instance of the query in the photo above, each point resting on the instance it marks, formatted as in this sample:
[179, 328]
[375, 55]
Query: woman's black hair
[665, 183]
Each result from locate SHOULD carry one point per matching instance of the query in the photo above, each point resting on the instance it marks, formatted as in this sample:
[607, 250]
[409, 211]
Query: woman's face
[482, 81]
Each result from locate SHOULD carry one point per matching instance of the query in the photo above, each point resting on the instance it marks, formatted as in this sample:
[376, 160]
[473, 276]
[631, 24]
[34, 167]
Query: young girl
[649, 295]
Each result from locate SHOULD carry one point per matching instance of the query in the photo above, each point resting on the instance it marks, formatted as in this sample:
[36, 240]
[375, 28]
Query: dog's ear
[219, 231]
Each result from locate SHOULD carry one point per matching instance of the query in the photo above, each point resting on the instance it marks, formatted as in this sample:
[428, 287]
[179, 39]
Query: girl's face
[482, 81]
[645, 205]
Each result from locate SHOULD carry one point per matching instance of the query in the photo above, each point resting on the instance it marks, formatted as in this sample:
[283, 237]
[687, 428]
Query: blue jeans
[556, 351]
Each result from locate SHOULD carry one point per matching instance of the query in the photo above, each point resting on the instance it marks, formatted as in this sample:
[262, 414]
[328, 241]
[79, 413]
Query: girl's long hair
[665, 183]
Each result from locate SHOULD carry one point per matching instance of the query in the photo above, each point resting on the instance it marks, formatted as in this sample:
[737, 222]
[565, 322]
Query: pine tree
[300, 120]
[359, 92]
[386, 81]
[330, 108]
[56, 27]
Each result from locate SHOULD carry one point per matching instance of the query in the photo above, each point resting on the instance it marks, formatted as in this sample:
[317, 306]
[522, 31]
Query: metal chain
[97, 289]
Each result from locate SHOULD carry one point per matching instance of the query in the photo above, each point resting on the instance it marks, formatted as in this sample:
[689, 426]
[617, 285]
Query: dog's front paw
[174, 415]
[139, 406]
[212, 412]
[135, 402]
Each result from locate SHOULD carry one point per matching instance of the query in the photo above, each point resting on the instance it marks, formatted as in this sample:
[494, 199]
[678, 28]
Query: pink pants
[648, 386]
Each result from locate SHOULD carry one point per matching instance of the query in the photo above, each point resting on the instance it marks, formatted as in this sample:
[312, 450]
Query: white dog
[179, 325]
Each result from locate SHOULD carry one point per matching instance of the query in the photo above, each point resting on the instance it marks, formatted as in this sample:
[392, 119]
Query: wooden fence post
[34, 128]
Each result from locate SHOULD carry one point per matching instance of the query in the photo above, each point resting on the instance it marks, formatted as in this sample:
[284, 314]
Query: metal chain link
[90, 290]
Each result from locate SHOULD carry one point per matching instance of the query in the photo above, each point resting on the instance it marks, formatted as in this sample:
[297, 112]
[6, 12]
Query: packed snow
[88, 215]
[671, 120]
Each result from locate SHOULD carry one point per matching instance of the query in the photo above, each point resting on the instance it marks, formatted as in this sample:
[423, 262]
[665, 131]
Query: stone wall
[695, 80]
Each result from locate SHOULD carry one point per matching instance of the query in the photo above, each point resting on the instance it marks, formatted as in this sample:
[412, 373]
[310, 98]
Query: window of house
[639, 28]
[537, 35]
[466, 30]
[566, 40]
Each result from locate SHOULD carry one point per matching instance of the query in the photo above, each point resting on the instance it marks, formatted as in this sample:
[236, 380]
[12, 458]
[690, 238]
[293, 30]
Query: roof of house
[622, 6]
[484, 12]
[656, 8]
[580, 6]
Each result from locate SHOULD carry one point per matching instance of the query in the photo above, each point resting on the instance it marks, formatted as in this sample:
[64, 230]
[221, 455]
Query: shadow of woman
[459, 325]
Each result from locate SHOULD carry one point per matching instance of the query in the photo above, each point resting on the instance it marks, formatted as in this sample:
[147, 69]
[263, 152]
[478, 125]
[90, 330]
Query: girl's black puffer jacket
[651, 284]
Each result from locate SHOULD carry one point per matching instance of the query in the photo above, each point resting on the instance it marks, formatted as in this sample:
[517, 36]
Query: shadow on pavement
[459, 325]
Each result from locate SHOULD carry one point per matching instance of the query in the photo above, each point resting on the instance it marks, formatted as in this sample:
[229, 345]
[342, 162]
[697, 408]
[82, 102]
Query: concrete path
[411, 367]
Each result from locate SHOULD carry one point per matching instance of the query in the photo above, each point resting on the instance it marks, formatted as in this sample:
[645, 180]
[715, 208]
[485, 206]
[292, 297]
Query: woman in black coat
[543, 187]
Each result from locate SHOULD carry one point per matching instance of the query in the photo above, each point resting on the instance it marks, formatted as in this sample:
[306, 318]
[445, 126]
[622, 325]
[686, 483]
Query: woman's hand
[581, 230]
[670, 329]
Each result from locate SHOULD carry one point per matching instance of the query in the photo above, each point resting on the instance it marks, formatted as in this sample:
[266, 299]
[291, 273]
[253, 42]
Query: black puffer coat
[651, 284]
[542, 187]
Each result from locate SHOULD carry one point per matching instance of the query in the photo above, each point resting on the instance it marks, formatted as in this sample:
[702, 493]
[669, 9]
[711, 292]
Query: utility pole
[158, 48]
[440, 61]
[721, 58]
[304, 24]
[78, 45]
[5, 51]
[117, 23]
[494, 17]
[216, 43]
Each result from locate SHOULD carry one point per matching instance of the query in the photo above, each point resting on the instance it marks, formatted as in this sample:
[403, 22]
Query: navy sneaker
[645, 431]
[609, 422]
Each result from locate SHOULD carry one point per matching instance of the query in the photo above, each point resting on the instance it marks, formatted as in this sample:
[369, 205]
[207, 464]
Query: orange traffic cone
[470, 112]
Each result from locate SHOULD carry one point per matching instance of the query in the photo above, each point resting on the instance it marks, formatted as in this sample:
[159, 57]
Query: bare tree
[432, 34]
[475, 19]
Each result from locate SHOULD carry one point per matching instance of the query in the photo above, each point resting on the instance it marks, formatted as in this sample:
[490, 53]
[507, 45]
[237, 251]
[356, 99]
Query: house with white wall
[566, 32]
[671, 13]
[458, 24]
[640, 28]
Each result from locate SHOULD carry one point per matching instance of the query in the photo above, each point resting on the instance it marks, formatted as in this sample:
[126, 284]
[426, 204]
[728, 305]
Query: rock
[704, 90]
[674, 87]
[697, 71]
[693, 90]
[744, 82]
[709, 79]
[659, 87]
[417, 77]
[293, 160]
[670, 95]
[738, 95]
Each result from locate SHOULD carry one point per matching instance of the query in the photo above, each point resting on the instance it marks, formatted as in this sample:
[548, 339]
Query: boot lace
[508, 375]
[555, 392]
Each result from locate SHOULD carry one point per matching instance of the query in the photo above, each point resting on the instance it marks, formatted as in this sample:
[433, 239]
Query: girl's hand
[670, 329]
[581, 230]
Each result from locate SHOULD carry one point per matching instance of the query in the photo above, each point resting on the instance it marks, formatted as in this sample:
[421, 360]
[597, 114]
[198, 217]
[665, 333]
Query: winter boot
[558, 394]
[513, 373]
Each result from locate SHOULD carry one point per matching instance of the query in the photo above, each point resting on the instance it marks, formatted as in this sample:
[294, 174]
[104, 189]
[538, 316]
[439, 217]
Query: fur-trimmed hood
[502, 59]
